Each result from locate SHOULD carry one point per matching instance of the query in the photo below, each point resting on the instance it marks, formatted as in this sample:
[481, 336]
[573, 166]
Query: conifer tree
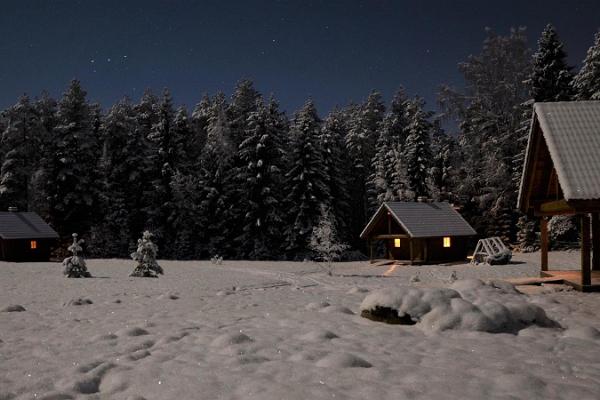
[337, 166]
[360, 144]
[243, 103]
[74, 164]
[111, 235]
[260, 182]
[164, 152]
[551, 76]
[145, 256]
[306, 180]
[587, 82]
[216, 178]
[417, 152]
[442, 180]
[21, 139]
[75, 264]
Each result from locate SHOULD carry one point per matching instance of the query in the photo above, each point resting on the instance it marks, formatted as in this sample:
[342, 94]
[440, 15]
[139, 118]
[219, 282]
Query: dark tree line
[239, 178]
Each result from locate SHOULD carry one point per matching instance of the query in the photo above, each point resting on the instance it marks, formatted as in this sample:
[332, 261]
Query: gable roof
[571, 131]
[421, 220]
[24, 225]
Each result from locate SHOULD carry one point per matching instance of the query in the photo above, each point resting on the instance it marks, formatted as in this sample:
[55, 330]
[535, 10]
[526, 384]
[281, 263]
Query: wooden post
[544, 242]
[370, 251]
[411, 250]
[596, 241]
[586, 273]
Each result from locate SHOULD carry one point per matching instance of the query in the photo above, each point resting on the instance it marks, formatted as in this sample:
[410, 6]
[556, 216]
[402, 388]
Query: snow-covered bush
[323, 240]
[145, 255]
[467, 305]
[563, 233]
[217, 260]
[75, 265]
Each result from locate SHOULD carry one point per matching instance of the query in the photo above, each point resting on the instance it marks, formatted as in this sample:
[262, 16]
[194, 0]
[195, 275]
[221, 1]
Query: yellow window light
[396, 242]
[447, 241]
[33, 244]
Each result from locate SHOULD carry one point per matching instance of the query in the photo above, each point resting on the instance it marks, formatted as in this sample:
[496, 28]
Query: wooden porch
[573, 279]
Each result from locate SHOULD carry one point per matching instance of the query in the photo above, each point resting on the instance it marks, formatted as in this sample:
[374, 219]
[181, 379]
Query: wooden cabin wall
[20, 250]
[436, 252]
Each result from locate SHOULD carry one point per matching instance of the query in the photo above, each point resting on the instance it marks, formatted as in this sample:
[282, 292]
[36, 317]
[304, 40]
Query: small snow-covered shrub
[75, 265]
[324, 242]
[563, 233]
[217, 260]
[467, 305]
[145, 255]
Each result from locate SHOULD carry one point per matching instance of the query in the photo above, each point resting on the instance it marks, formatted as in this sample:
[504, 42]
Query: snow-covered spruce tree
[21, 140]
[324, 240]
[45, 108]
[337, 164]
[443, 171]
[305, 181]
[199, 126]
[243, 103]
[186, 191]
[111, 234]
[74, 165]
[587, 81]
[75, 265]
[145, 256]
[551, 77]
[216, 179]
[417, 151]
[260, 184]
[563, 232]
[388, 181]
[527, 237]
[361, 139]
[163, 153]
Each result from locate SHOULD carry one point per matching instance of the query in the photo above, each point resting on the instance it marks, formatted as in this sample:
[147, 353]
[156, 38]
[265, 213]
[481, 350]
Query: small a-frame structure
[561, 176]
[419, 232]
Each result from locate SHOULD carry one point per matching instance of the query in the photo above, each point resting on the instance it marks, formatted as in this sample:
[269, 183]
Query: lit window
[33, 244]
[396, 242]
[447, 241]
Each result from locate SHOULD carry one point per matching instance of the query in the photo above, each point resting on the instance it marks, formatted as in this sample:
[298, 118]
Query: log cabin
[25, 236]
[419, 232]
[561, 176]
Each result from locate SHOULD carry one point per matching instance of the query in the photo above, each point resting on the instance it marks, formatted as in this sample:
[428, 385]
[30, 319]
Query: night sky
[332, 51]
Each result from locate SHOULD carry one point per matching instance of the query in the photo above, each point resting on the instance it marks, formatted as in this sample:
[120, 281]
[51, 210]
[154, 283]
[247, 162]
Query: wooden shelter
[24, 236]
[561, 176]
[419, 232]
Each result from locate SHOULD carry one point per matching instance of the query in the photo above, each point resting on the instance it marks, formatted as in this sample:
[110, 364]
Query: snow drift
[470, 305]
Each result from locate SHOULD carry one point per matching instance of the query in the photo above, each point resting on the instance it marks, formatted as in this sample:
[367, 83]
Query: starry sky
[334, 51]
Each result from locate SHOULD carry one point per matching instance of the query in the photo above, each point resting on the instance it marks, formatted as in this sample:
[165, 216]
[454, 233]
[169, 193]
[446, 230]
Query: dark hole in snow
[387, 315]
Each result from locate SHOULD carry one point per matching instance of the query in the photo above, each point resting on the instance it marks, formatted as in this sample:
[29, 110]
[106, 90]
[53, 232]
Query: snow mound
[343, 360]
[135, 331]
[228, 339]
[316, 306]
[78, 302]
[337, 309]
[583, 332]
[13, 308]
[470, 305]
[319, 335]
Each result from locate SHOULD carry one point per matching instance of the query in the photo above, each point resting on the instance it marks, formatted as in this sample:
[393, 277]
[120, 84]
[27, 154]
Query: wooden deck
[573, 278]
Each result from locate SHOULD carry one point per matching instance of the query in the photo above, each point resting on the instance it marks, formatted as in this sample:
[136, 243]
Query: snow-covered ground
[277, 330]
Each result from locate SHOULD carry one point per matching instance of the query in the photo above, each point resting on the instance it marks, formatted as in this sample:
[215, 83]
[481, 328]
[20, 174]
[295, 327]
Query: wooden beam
[392, 236]
[544, 242]
[596, 241]
[411, 250]
[556, 207]
[586, 273]
[370, 251]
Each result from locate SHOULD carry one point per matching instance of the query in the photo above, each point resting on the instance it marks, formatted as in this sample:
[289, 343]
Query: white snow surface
[283, 330]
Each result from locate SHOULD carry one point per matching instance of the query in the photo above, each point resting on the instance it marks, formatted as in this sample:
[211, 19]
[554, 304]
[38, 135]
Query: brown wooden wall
[430, 250]
[20, 250]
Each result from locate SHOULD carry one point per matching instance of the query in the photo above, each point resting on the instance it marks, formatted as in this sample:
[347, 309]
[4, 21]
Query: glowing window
[396, 242]
[33, 244]
[447, 241]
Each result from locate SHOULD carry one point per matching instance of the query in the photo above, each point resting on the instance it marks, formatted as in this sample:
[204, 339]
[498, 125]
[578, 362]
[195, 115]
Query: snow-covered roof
[422, 219]
[571, 131]
[24, 225]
